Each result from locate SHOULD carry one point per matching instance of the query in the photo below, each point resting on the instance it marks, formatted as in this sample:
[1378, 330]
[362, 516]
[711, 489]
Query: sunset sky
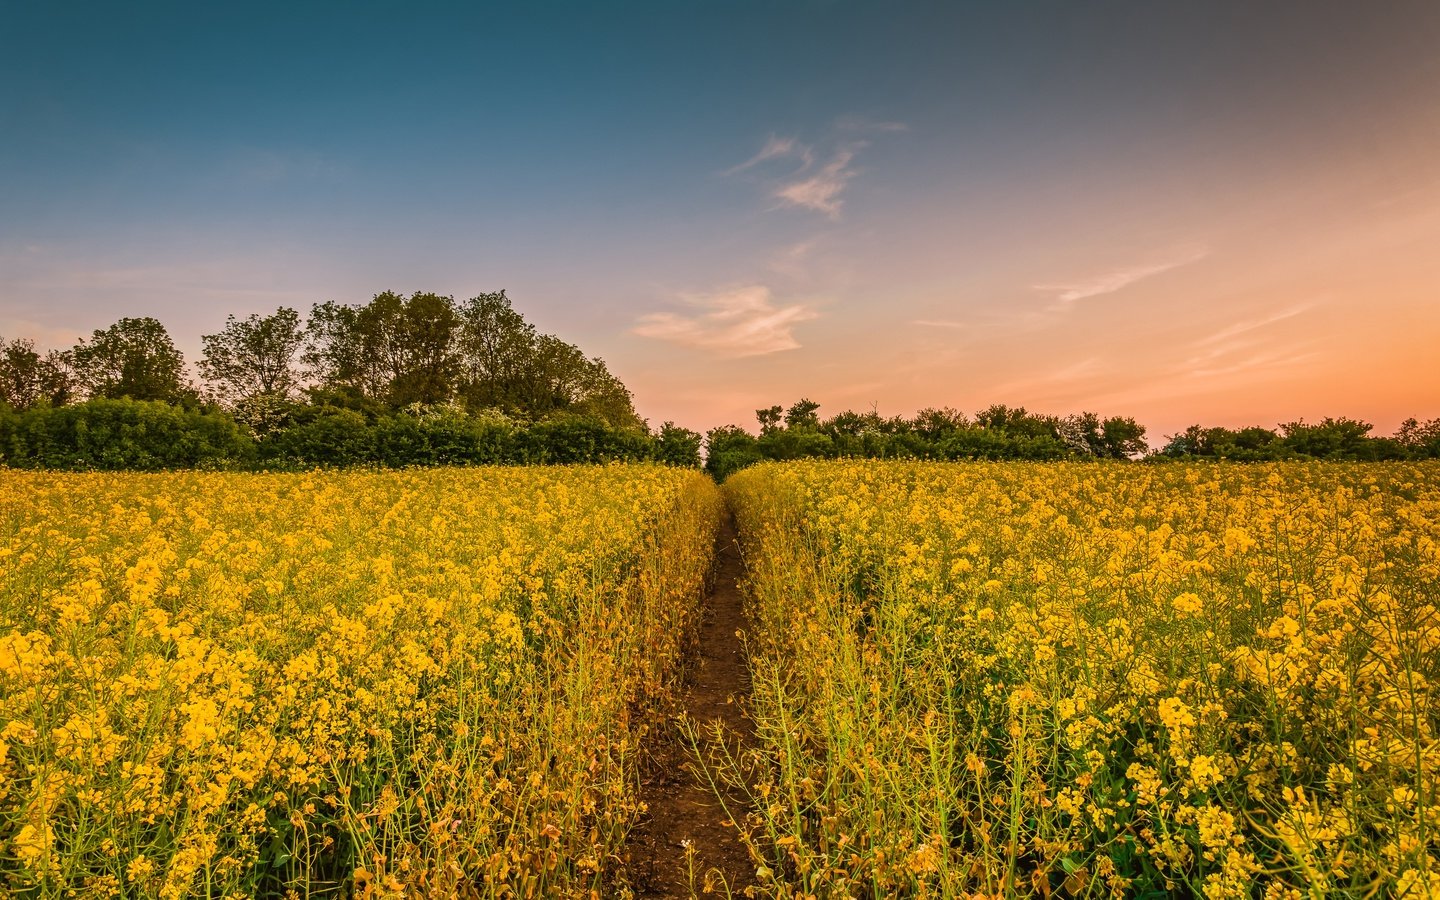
[1225, 213]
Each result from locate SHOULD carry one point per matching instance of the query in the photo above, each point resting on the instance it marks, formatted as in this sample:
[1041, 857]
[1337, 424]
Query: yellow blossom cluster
[1091, 680]
[422, 684]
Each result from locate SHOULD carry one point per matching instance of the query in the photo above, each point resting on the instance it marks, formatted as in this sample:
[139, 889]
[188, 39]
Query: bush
[442, 438]
[729, 449]
[577, 439]
[321, 436]
[676, 446]
[122, 434]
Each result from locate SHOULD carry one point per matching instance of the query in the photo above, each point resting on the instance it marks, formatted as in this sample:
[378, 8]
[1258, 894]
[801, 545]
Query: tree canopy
[133, 358]
[27, 378]
[481, 352]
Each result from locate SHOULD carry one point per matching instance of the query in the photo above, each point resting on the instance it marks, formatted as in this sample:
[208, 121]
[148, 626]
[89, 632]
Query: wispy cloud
[775, 148]
[937, 323]
[1276, 360]
[821, 191]
[1236, 348]
[1066, 295]
[744, 321]
[820, 172]
[1240, 328]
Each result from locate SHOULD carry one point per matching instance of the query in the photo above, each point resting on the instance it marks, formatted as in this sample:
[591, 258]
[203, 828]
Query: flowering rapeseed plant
[987, 680]
[360, 684]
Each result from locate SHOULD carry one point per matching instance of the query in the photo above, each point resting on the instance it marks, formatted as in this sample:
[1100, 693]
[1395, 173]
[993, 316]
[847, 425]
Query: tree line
[1004, 432]
[399, 380]
[427, 380]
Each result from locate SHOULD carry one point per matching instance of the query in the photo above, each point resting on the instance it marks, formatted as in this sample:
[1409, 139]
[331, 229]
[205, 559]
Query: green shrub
[122, 434]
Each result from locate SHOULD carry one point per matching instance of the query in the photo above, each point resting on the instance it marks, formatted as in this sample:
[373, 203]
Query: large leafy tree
[133, 358]
[335, 353]
[497, 348]
[1121, 437]
[27, 378]
[429, 349]
[426, 364]
[254, 357]
[394, 349]
[507, 364]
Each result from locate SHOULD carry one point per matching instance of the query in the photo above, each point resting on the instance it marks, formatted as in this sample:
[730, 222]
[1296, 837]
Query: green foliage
[27, 378]
[425, 380]
[430, 350]
[997, 432]
[728, 449]
[1420, 440]
[147, 435]
[133, 358]
[1331, 438]
[802, 415]
[676, 446]
[321, 436]
[798, 442]
[121, 434]
[251, 362]
[399, 350]
[769, 418]
[577, 439]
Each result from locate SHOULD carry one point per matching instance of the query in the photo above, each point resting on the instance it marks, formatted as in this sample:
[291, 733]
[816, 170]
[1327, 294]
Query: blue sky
[1218, 212]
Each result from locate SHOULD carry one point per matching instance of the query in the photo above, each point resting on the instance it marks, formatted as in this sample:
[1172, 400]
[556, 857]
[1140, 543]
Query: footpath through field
[687, 840]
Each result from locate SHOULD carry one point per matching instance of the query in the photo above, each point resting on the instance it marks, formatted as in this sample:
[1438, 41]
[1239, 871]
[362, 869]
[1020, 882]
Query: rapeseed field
[420, 684]
[1093, 680]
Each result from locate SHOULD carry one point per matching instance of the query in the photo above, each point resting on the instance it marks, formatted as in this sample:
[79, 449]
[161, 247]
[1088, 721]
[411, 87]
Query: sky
[1224, 213]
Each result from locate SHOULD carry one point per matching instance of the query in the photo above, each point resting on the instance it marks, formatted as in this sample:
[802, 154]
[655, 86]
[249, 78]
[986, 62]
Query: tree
[769, 418]
[506, 364]
[1081, 433]
[934, 424]
[254, 357]
[853, 424]
[335, 354]
[1420, 439]
[426, 364]
[603, 396]
[394, 349]
[133, 358]
[28, 379]
[802, 415]
[428, 349]
[496, 346]
[1330, 438]
[677, 446]
[1121, 437]
[1017, 422]
[557, 376]
[728, 449]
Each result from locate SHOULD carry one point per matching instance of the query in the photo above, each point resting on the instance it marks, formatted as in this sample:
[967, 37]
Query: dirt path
[681, 803]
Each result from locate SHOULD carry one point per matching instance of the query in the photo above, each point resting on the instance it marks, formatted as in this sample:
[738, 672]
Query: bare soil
[682, 805]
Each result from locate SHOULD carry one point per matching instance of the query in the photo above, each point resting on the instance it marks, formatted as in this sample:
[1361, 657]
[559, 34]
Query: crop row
[418, 683]
[987, 680]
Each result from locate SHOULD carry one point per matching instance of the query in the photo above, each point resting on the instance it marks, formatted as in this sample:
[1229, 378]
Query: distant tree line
[997, 432]
[1330, 438]
[397, 381]
[426, 380]
[1004, 432]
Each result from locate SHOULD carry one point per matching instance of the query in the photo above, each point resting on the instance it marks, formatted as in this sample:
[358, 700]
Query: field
[969, 680]
[424, 683]
[1093, 680]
